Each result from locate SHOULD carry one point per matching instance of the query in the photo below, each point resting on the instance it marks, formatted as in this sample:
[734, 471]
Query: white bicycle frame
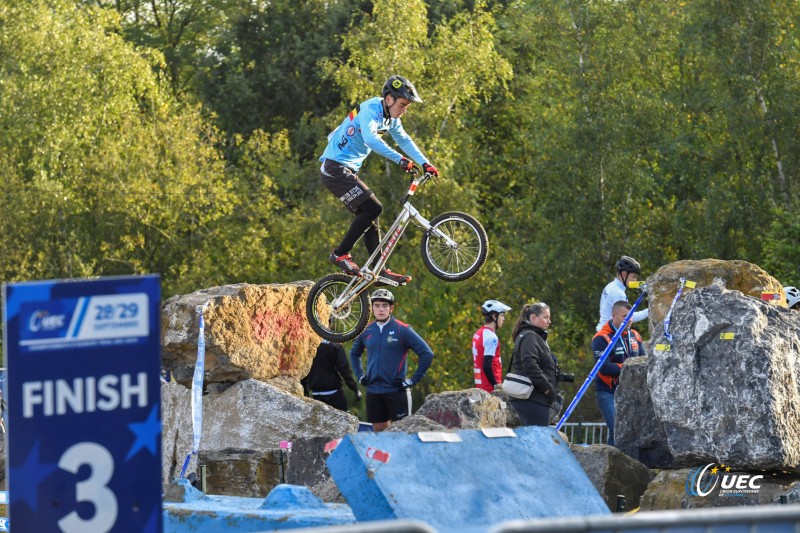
[380, 256]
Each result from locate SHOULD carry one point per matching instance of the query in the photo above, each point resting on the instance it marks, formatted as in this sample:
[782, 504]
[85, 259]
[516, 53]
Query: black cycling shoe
[346, 263]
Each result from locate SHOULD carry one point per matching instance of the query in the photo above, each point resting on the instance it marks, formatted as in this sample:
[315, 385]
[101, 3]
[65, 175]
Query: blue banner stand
[84, 418]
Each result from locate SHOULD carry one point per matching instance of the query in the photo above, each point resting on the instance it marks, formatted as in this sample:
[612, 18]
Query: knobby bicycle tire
[469, 254]
[344, 325]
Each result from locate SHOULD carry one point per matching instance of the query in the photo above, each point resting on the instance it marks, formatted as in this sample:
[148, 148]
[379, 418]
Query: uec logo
[702, 482]
[44, 321]
[698, 483]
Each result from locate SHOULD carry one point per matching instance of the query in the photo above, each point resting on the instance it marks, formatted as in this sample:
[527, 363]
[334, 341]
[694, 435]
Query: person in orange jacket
[629, 344]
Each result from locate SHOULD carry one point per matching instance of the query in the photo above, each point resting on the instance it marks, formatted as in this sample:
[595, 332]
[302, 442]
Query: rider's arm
[424, 354]
[355, 357]
[370, 123]
[640, 315]
[406, 143]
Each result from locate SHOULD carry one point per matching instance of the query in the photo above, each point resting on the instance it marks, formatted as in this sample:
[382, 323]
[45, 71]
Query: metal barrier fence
[760, 519]
[382, 526]
[586, 432]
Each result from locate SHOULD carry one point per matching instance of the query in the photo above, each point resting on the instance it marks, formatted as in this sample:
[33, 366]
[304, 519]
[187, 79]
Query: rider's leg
[372, 237]
[362, 224]
[345, 184]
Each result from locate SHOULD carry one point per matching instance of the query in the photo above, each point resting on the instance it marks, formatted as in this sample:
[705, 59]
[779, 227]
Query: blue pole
[599, 363]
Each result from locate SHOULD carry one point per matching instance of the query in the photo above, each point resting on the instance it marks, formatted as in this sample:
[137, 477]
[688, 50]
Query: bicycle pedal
[386, 282]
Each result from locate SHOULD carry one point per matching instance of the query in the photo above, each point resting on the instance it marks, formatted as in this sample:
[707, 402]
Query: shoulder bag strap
[516, 345]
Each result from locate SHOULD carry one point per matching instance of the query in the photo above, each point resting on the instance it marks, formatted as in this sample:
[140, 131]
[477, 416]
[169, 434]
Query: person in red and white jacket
[487, 366]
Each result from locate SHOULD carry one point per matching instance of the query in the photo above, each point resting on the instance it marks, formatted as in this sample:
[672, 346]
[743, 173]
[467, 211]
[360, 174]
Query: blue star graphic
[26, 478]
[147, 434]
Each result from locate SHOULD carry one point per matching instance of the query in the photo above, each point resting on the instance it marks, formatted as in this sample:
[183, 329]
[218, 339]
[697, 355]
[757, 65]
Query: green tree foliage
[103, 173]
[183, 30]
[577, 131]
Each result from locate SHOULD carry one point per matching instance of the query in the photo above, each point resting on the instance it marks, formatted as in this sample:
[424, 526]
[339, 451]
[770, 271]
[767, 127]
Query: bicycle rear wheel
[336, 325]
[464, 255]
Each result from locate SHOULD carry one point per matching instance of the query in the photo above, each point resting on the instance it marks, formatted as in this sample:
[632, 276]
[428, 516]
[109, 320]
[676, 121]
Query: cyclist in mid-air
[348, 145]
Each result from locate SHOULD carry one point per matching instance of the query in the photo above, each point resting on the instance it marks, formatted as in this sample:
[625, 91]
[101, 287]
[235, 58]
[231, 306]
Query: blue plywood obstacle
[488, 476]
[286, 507]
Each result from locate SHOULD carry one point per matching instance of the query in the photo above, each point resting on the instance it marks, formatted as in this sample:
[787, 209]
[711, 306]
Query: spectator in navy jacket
[387, 342]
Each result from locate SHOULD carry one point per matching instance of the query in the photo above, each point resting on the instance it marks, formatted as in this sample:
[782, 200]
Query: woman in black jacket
[532, 358]
[324, 380]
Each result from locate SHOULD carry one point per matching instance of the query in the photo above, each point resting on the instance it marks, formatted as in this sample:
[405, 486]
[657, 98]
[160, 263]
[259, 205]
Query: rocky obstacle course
[708, 398]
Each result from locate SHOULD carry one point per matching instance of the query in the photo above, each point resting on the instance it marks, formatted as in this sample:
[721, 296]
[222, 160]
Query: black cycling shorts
[345, 184]
[388, 406]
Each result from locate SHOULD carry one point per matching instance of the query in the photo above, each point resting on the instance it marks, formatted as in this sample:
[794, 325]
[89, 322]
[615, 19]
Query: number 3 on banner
[92, 490]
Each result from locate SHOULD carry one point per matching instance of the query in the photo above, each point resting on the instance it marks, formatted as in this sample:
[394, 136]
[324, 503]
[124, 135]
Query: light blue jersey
[360, 133]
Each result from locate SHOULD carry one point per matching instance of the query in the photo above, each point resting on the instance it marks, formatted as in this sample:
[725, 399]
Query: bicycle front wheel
[455, 247]
[340, 324]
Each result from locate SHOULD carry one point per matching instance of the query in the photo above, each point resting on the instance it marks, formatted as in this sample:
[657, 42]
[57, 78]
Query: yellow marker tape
[691, 284]
[662, 347]
[726, 336]
[635, 284]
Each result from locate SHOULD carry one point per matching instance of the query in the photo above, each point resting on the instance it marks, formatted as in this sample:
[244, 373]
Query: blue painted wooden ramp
[488, 476]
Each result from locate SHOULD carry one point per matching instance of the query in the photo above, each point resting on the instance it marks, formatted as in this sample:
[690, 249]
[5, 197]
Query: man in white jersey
[487, 366]
[628, 270]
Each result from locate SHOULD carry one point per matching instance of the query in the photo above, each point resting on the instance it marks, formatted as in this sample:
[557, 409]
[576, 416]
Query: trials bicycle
[454, 247]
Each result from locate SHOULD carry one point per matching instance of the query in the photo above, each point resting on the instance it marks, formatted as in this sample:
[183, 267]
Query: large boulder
[747, 278]
[465, 409]
[613, 473]
[726, 390]
[638, 432]
[251, 332]
[242, 430]
[176, 431]
[512, 417]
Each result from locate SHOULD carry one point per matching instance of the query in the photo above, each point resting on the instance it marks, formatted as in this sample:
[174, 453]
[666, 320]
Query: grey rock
[466, 409]
[729, 401]
[638, 432]
[244, 473]
[792, 494]
[245, 425]
[747, 278]
[512, 418]
[176, 431]
[306, 466]
[613, 473]
[416, 423]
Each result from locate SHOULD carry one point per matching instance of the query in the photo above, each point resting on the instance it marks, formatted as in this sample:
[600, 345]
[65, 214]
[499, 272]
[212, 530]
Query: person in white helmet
[792, 297]
[628, 270]
[487, 366]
